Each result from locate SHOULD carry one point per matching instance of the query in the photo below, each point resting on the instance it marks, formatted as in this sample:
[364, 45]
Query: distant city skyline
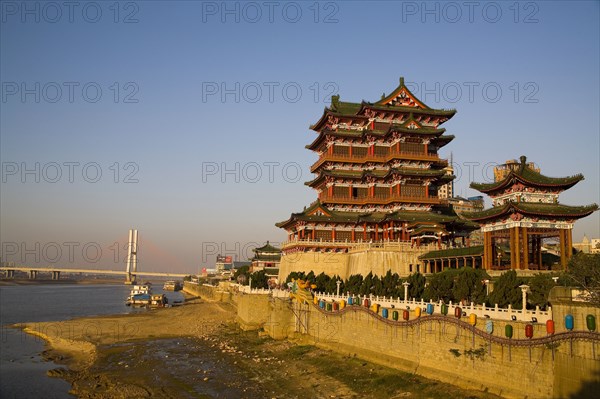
[188, 120]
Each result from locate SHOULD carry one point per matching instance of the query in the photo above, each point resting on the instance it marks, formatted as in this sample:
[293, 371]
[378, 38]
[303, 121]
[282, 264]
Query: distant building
[223, 263]
[471, 204]
[447, 190]
[588, 246]
[512, 165]
[266, 258]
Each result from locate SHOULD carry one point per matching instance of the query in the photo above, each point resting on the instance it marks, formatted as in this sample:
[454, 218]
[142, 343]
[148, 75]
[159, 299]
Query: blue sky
[188, 120]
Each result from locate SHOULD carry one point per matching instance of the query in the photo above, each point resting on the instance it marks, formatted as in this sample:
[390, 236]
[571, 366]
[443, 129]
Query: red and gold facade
[525, 212]
[376, 176]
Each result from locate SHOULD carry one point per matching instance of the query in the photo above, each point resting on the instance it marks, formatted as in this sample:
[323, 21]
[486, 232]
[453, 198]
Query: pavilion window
[359, 151]
[381, 151]
[340, 191]
[340, 150]
[382, 192]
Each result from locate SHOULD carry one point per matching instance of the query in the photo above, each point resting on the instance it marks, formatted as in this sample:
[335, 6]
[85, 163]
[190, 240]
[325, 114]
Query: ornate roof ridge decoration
[362, 174]
[528, 177]
[388, 103]
[438, 134]
[426, 217]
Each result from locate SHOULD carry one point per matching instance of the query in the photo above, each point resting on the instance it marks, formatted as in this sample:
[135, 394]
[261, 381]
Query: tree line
[457, 285]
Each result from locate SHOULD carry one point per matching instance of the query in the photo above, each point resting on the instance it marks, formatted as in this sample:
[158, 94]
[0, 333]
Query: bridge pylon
[132, 248]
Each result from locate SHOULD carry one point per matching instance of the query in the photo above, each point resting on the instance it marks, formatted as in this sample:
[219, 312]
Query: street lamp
[524, 288]
[487, 287]
[338, 286]
[405, 284]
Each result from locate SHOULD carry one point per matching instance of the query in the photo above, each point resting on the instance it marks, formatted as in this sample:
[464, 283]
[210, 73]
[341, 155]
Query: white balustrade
[481, 311]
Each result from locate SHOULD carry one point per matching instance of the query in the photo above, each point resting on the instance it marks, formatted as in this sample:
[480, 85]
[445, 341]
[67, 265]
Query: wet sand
[197, 351]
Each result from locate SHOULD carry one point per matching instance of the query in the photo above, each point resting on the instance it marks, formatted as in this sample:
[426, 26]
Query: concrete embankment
[440, 348]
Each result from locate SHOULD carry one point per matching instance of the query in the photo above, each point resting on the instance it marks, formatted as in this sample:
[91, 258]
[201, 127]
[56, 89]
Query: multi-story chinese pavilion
[525, 212]
[266, 258]
[377, 177]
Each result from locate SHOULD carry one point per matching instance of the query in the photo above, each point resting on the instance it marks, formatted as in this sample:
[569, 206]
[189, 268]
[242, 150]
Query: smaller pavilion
[266, 258]
[525, 215]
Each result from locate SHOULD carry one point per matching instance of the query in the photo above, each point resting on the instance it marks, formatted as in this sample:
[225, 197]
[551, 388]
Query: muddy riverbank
[198, 351]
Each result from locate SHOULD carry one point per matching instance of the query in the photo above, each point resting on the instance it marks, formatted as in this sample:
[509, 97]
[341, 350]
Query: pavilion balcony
[379, 199]
[407, 155]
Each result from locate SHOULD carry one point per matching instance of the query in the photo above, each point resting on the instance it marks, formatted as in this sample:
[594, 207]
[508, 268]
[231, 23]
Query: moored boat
[141, 295]
[172, 285]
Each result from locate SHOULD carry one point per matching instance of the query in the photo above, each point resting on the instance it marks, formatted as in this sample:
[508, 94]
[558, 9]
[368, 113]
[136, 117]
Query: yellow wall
[375, 260]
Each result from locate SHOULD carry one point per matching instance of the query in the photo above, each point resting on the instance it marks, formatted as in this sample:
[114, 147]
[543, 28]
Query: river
[22, 369]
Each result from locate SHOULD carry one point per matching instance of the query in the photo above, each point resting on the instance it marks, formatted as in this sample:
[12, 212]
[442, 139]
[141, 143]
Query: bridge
[131, 272]
[56, 271]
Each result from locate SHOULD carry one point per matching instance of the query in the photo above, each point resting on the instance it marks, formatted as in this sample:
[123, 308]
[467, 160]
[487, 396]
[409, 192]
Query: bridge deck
[88, 271]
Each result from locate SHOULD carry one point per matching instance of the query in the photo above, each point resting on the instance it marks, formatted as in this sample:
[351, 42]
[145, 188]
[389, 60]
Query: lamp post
[405, 284]
[524, 288]
[487, 287]
[338, 286]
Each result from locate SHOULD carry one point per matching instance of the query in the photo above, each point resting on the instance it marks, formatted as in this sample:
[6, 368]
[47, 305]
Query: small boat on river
[141, 295]
[172, 285]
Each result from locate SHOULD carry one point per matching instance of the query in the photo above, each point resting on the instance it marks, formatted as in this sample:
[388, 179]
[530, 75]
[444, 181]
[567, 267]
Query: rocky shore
[198, 351]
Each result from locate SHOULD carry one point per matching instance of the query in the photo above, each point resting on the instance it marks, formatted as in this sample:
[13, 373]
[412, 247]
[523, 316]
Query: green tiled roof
[534, 209]
[343, 108]
[476, 250]
[267, 248]
[528, 177]
[411, 217]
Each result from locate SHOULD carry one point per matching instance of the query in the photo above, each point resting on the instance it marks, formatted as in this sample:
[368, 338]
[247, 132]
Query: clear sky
[187, 120]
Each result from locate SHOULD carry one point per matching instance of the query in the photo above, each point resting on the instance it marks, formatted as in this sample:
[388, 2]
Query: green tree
[259, 279]
[584, 271]
[295, 276]
[469, 286]
[310, 277]
[391, 285]
[417, 285]
[507, 291]
[539, 286]
[353, 284]
[367, 285]
[440, 287]
[377, 286]
[322, 281]
[241, 275]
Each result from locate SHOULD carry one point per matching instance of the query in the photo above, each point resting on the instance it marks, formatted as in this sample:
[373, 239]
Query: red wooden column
[563, 248]
[333, 234]
[353, 233]
[365, 231]
[392, 230]
[313, 231]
